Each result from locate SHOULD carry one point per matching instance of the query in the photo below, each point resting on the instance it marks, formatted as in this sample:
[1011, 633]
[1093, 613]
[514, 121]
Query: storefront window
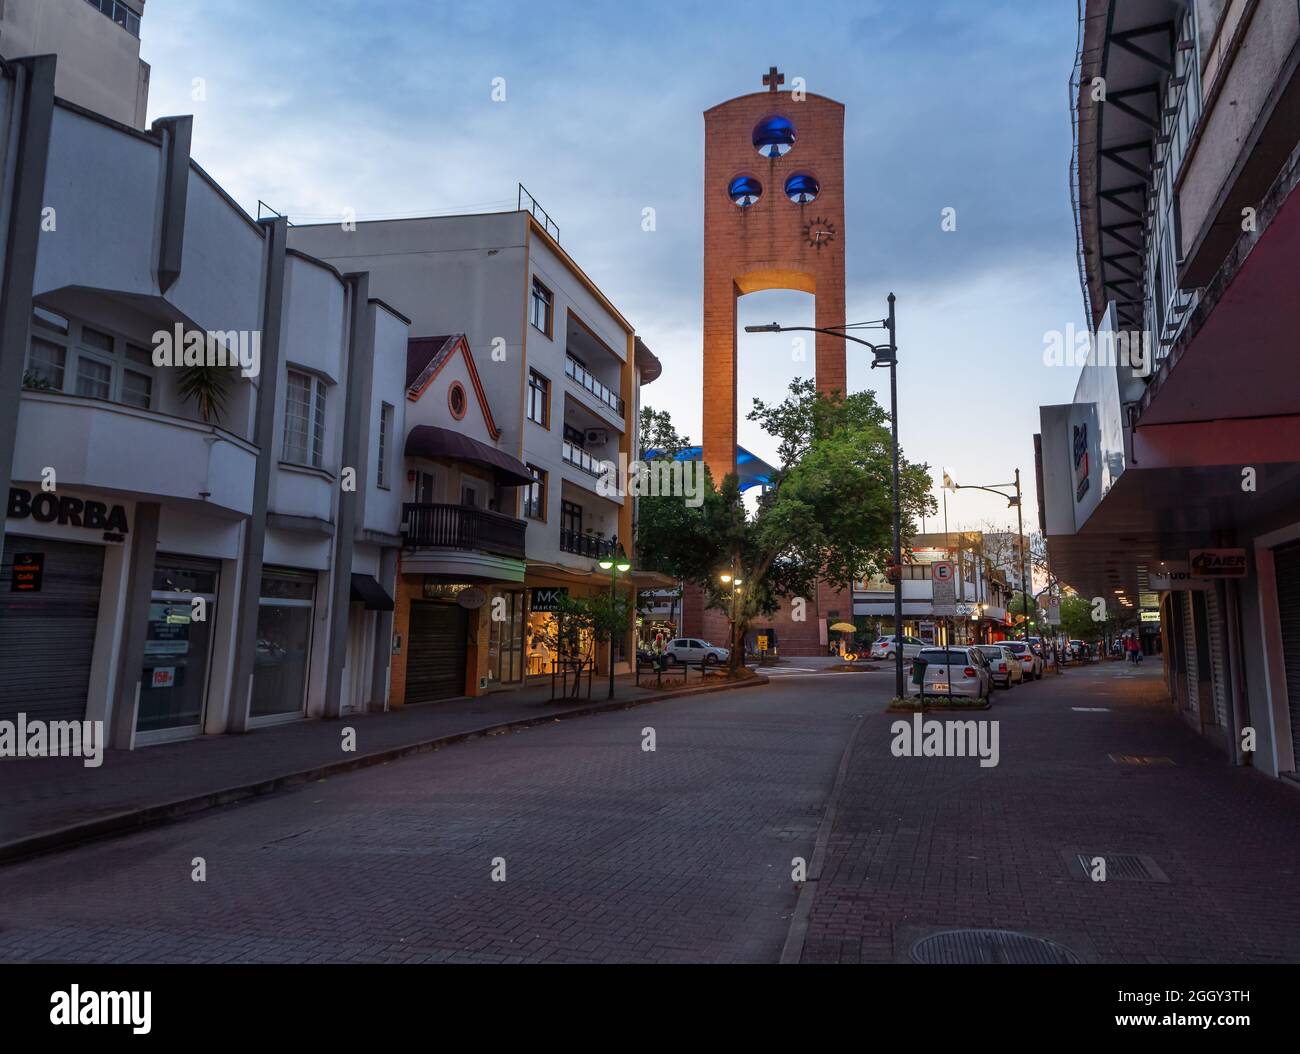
[177, 646]
[284, 618]
[547, 638]
[506, 640]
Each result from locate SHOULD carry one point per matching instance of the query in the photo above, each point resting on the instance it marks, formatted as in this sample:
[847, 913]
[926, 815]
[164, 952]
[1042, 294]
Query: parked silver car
[886, 647]
[1030, 661]
[1003, 664]
[692, 650]
[959, 671]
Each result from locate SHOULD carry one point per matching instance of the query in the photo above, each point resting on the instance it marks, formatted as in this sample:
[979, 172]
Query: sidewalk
[47, 803]
[922, 845]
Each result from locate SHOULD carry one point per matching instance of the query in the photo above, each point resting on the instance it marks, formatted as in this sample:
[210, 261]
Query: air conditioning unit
[597, 437]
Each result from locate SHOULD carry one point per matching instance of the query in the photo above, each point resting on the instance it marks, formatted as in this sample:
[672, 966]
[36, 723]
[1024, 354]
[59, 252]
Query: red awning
[433, 442]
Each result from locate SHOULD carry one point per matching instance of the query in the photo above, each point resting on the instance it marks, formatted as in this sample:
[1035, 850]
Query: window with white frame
[77, 358]
[119, 13]
[304, 420]
[385, 432]
[541, 308]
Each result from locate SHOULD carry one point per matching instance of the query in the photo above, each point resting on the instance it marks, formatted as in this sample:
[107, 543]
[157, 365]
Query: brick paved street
[616, 854]
[935, 843]
[611, 853]
[43, 795]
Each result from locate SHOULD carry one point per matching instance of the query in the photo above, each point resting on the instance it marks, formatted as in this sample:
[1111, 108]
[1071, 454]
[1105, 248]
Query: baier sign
[1217, 563]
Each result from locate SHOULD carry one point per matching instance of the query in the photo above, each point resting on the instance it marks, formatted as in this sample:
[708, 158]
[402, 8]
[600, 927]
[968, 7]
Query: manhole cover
[989, 946]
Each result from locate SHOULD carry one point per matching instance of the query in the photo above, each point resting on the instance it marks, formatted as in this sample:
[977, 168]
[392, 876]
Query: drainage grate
[1140, 759]
[989, 946]
[1120, 867]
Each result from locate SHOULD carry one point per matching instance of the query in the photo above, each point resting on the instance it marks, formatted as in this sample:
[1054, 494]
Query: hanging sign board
[1217, 563]
[471, 599]
[1174, 574]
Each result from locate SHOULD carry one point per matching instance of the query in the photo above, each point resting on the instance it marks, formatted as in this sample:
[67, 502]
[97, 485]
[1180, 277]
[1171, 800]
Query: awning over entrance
[432, 442]
[369, 592]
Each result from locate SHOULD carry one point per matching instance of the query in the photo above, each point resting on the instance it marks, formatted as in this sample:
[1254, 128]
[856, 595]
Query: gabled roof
[425, 358]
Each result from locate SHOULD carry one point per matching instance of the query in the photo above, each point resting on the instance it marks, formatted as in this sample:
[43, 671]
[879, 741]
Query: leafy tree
[1076, 619]
[1016, 609]
[827, 515]
[659, 434]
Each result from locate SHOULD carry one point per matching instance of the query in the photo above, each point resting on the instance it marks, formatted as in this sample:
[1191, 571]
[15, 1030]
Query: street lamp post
[1025, 587]
[615, 563]
[883, 355]
[735, 584]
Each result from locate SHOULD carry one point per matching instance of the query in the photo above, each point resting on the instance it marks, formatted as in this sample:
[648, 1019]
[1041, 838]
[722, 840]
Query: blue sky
[315, 106]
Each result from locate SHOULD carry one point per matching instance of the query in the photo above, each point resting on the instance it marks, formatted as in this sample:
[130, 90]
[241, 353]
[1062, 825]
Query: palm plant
[208, 388]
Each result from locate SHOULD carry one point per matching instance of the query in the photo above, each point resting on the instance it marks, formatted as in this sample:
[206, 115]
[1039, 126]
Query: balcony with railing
[574, 455]
[462, 527]
[586, 380]
[587, 544]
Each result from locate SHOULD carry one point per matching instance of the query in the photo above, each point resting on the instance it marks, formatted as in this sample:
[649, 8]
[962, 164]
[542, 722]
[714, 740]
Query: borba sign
[195, 347]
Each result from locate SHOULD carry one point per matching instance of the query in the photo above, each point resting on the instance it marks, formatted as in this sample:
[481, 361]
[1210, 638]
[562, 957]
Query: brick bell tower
[773, 219]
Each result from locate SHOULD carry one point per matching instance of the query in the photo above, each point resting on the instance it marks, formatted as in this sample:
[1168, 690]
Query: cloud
[315, 106]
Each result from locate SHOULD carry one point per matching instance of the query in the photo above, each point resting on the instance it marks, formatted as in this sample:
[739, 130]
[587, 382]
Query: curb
[133, 820]
[792, 951]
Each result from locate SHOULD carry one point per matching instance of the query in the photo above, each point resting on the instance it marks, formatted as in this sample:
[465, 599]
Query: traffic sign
[943, 593]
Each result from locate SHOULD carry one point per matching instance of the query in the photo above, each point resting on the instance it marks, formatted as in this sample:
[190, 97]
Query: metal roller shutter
[435, 664]
[47, 638]
[1189, 651]
[1287, 565]
[1218, 672]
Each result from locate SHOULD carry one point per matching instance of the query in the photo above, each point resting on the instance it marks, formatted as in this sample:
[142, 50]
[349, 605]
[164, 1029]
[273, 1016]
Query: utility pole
[1026, 588]
[898, 542]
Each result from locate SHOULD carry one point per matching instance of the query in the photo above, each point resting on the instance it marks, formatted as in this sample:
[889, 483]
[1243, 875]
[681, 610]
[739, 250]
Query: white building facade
[562, 371]
[187, 549]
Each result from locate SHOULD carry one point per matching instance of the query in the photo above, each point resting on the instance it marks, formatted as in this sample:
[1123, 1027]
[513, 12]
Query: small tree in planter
[594, 620]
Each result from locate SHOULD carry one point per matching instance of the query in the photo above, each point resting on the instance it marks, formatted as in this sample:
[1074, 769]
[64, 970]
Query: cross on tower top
[773, 80]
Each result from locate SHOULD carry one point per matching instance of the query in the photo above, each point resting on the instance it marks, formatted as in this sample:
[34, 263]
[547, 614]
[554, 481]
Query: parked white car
[886, 648]
[957, 671]
[1003, 664]
[693, 650]
[1030, 661]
